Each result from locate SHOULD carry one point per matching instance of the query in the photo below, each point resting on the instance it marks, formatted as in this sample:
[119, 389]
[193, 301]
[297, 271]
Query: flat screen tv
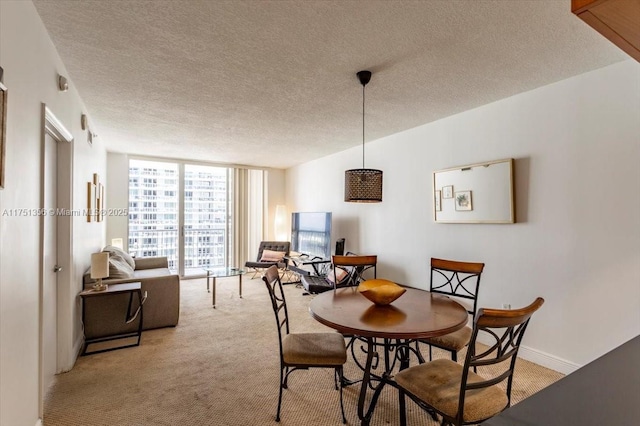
[311, 233]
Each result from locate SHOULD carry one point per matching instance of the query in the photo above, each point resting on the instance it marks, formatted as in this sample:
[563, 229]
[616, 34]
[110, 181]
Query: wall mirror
[475, 193]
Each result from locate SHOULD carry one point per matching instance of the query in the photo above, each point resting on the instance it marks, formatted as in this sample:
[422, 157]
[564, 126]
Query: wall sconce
[83, 121]
[63, 84]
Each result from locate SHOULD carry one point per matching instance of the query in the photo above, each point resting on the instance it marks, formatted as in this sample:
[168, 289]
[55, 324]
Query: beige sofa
[105, 315]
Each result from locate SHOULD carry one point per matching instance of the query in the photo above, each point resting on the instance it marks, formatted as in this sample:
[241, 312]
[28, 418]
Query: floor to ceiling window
[153, 210]
[181, 211]
[207, 217]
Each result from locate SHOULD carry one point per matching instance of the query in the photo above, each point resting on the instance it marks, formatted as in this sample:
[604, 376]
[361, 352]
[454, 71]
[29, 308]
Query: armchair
[270, 253]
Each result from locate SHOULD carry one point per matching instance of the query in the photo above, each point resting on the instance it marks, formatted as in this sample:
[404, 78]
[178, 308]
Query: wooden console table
[128, 317]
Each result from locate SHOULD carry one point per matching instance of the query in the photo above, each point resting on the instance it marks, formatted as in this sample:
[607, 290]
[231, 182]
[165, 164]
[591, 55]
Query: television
[311, 233]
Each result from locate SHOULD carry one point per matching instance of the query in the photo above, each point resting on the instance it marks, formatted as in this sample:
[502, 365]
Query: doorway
[56, 325]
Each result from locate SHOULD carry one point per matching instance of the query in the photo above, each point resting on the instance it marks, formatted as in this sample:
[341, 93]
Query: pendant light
[363, 185]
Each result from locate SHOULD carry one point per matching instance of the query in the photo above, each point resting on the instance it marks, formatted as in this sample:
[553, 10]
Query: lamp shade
[100, 265]
[363, 186]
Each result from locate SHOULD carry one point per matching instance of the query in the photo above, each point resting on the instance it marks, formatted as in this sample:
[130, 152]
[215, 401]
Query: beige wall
[577, 146]
[275, 190]
[118, 196]
[31, 65]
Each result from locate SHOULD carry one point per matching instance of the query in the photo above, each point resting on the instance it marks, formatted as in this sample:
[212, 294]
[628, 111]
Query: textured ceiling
[272, 83]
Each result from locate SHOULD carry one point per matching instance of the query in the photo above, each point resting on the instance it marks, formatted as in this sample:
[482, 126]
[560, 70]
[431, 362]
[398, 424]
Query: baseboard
[77, 348]
[541, 358]
[73, 355]
[547, 360]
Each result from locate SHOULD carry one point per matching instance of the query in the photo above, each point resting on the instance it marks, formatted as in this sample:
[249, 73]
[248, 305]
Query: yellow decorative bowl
[381, 292]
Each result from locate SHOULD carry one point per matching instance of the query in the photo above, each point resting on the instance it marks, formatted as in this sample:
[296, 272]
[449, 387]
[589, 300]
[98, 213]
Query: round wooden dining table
[417, 314]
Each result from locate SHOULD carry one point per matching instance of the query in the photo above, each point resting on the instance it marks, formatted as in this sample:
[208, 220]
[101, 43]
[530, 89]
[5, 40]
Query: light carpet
[221, 367]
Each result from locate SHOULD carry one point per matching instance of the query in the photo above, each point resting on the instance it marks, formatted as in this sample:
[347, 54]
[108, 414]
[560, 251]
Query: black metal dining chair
[461, 396]
[353, 267]
[460, 280]
[301, 351]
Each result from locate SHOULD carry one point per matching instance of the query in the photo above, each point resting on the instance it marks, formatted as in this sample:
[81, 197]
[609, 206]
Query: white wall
[31, 65]
[275, 195]
[118, 197]
[577, 243]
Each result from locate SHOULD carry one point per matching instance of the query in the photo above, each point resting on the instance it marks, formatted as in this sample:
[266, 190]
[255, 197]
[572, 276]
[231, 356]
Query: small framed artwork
[3, 129]
[436, 202]
[99, 202]
[463, 201]
[91, 201]
[447, 191]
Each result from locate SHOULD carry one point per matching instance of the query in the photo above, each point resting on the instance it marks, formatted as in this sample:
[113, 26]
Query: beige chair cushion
[272, 256]
[314, 349]
[452, 341]
[438, 384]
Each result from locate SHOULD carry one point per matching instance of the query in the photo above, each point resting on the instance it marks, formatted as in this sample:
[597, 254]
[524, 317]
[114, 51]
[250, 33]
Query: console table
[128, 317]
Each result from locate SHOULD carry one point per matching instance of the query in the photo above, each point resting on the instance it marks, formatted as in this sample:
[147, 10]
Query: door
[57, 289]
[50, 265]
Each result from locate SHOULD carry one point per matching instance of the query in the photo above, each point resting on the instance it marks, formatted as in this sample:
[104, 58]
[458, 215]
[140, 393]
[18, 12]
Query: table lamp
[99, 269]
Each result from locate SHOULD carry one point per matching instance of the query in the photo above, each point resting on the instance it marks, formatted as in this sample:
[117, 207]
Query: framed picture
[463, 201]
[3, 130]
[99, 202]
[447, 191]
[436, 202]
[91, 201]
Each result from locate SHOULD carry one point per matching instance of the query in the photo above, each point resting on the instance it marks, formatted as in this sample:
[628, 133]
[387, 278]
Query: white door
[50, 265]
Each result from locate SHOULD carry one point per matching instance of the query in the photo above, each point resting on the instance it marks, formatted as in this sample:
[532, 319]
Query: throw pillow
[115, 251]
[119, 268]
[272, 256]
[340, 274]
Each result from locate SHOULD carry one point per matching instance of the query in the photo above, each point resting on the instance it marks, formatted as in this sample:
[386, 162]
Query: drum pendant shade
[363, 185]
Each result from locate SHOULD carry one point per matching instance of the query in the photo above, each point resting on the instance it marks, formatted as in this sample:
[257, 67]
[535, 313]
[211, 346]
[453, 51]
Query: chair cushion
[453, 341]
[438, 384]
[272, 256]
[314, 349]
[257, 265]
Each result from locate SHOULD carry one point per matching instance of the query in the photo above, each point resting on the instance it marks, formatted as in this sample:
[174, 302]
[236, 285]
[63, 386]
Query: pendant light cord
[363, 86]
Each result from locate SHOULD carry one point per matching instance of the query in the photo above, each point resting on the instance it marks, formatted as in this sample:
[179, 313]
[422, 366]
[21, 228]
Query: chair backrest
[284, 246]
[354, 266]
[271, 279]
[458, 279]
[505, 329]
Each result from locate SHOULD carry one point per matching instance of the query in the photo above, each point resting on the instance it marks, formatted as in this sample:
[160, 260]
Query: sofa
[104, 316]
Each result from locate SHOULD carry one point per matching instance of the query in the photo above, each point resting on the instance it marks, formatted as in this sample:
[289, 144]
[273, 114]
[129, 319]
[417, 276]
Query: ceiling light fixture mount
[363, 185]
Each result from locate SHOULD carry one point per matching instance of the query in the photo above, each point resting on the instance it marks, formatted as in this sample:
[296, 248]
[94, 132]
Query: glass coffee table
[221, 272]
